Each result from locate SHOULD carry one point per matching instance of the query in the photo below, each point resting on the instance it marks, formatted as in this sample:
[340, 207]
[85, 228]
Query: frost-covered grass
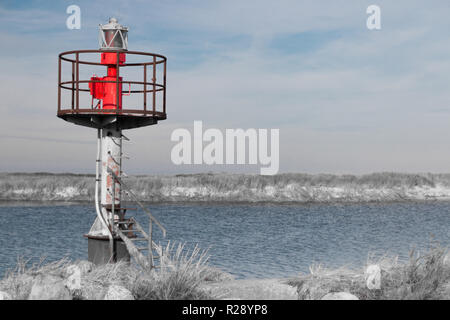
[18, 281]
[179, 277]
[289, 187]
[45, 186]
[425, 276]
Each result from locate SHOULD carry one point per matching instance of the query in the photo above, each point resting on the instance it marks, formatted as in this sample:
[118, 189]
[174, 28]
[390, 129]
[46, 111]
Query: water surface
[249, 241]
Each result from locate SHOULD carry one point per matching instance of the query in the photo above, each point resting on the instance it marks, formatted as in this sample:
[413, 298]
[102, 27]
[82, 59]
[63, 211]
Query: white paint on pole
[111, 158]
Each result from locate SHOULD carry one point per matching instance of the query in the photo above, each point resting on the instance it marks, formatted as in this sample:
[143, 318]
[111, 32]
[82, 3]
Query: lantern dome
[113, 36]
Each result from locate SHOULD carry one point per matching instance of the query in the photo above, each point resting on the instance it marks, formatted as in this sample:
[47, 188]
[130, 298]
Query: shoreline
[44, 203]
[282, 189]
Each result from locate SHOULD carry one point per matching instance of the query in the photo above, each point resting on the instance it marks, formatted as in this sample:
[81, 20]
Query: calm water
[245, 240]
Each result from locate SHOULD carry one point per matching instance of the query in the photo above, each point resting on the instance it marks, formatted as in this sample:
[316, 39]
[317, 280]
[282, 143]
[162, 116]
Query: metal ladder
[135, 238]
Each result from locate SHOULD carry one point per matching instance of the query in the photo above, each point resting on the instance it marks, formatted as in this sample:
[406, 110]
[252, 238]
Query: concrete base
[99, 253]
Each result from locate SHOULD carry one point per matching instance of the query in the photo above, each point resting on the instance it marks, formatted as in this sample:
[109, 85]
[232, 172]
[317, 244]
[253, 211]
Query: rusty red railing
[77, 85]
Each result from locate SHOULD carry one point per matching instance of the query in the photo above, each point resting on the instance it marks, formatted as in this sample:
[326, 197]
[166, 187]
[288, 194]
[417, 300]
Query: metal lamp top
[113, 36]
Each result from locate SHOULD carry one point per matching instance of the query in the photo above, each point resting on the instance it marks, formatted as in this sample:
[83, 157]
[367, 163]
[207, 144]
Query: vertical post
[120, 170]
[110, 187]
[73, 84]
[154, 87]
[78, 79]
[59, 84]
[111, 221]
[164, 91]
[145, 88]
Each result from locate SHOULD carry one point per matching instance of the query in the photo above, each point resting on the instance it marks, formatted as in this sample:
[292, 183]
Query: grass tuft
[423, 277]
[179, 277]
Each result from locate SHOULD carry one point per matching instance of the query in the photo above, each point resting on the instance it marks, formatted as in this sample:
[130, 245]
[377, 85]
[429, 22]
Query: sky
[346, 99]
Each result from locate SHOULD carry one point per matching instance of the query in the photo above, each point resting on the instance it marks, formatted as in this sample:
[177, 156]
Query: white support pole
[110, 188]
[102, 218]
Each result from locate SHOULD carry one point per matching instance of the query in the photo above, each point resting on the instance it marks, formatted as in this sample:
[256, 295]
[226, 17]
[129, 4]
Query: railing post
[145, 88]
[164, 91]
[59, 84]
[154, 87]
[73, 84]
[78, 79]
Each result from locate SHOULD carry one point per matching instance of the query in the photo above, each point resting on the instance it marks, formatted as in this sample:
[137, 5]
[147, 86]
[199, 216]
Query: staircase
[139, 243]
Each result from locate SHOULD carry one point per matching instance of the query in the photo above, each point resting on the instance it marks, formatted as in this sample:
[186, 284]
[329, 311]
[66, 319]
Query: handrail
[123, 185]
[141, 230]
[160, 86]
[151, 64]
[139, 53]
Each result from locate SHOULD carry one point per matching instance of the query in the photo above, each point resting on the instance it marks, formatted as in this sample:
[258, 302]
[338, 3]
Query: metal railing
[148, 87]
[152, 219]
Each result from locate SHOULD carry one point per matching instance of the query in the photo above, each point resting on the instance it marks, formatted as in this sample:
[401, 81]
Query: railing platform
[152, 109]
